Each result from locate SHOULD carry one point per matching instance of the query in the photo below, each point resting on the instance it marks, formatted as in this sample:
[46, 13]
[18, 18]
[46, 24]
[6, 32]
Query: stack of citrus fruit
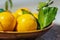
[18, 21]
[25, 22]
[22, 20]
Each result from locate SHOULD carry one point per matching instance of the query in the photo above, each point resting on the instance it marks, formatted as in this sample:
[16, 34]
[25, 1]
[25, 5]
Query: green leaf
[42, 4]
[11, 3]
[46, 16]
[6, 5]
[26, 12]
[45, 4]
[1, 10]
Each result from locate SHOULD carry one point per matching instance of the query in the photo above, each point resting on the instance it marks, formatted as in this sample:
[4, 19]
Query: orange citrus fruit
[7, 21]
[26, 22]
[19, 12]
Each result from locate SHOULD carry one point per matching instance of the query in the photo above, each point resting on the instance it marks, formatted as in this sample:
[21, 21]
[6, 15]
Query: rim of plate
[29, 31]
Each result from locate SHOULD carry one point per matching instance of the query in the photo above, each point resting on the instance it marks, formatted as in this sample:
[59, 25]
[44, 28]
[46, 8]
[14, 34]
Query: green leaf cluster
[46, 14]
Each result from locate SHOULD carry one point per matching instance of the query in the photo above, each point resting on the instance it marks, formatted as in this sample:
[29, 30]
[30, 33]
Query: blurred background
[32, 5]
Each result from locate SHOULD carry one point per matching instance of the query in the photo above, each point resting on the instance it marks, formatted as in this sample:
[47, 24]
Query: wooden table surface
[52, 34]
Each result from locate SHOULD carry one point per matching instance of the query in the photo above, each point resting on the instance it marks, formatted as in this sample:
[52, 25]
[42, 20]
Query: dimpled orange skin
[7, 21]
[26, 22]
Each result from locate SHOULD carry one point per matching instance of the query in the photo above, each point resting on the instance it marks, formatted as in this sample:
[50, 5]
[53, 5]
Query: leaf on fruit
[46, 16]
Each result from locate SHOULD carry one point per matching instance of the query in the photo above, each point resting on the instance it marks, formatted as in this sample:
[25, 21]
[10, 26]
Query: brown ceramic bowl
[30, 34]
